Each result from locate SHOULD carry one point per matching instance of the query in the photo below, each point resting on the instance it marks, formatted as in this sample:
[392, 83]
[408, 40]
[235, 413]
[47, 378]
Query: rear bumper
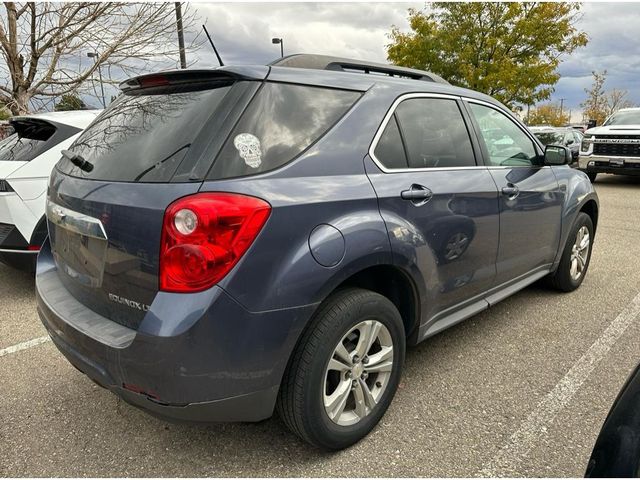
[603, 164]
[196, 358]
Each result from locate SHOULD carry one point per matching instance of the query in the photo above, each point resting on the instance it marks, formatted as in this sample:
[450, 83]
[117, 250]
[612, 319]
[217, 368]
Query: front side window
[434, 133]
[506, 143]
[281, 122]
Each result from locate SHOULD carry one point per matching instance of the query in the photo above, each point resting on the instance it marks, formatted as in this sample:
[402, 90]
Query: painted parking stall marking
[23, 346]
[506, 461]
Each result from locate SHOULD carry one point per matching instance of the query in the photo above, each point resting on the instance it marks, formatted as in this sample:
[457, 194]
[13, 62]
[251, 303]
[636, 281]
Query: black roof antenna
[214, 47]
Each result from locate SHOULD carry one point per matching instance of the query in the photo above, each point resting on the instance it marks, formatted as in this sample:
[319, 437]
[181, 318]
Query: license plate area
[80, 256]
[78, 244]
[616, 162]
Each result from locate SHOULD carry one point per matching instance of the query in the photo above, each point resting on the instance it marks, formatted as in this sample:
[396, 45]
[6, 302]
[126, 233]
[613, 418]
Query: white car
[613, 147]
[26, 160]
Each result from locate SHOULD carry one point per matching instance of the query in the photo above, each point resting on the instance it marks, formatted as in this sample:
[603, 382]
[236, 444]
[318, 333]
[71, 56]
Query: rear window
[281, 122]
[31, 138]
[145, 137]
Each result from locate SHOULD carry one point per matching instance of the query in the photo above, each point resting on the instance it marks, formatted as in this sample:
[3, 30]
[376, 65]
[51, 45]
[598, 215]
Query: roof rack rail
[326, 62]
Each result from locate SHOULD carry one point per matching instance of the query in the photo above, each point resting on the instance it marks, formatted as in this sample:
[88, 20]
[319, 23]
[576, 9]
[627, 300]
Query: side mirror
[557, 155]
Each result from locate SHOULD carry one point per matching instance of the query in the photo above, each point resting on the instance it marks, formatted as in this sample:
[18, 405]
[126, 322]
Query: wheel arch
[393, 283]
[590, 207]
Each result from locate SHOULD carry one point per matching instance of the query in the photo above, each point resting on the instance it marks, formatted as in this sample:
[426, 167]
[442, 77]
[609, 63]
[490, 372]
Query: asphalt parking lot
[519, 390]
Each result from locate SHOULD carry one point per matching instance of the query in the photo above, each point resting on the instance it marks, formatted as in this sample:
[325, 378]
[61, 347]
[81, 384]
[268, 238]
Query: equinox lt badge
[128, 303]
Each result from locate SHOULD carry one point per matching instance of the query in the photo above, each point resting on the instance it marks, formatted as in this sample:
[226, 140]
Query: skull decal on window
[248, 147]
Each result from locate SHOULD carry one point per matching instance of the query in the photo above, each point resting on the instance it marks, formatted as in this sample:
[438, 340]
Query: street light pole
[95, 56]
[183, 58]
[280, 41]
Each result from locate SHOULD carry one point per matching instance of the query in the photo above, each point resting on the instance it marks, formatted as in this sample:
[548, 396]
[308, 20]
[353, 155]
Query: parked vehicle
[616, 453]
[27, 157]
[567, 136]
[614, 147]
[232, 241]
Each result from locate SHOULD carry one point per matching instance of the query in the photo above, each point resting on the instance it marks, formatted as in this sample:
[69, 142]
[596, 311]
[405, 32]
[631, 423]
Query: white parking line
[23, 346]
[535, 426]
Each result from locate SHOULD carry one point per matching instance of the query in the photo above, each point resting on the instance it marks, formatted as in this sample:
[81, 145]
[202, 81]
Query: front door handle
[417, 194]
[511, 191]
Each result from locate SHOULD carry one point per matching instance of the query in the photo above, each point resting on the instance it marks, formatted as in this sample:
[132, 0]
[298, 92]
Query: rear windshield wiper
[77, 160]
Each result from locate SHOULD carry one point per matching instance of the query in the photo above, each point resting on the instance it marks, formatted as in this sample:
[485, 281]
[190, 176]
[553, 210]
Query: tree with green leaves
[507, 50]
[70, 101]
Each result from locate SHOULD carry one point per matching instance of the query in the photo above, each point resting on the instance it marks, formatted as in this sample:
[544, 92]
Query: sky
[242, 33]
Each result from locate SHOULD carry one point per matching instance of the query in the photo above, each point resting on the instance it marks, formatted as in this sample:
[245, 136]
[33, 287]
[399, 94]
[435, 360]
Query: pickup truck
[613, 147]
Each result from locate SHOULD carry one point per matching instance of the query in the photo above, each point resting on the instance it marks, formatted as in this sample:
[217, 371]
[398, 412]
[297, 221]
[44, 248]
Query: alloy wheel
[580, 253]
[358, 373]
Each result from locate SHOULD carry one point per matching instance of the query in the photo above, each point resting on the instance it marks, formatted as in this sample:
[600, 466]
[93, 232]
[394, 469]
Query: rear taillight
[203, 237]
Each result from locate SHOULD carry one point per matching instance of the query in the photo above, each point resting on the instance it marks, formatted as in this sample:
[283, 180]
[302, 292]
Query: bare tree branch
[43, 44]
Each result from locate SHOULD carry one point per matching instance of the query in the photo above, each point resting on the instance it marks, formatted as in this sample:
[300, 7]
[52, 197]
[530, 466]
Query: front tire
[575, 256]
[344, 371]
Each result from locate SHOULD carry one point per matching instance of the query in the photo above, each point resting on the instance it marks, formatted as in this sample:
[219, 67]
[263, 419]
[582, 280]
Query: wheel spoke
[581, 262]
[584, 243]
[368, 333]
[381, 361]
[343, 355]
[364, 399]
[574, 267]
[339, 365]
[334, 404]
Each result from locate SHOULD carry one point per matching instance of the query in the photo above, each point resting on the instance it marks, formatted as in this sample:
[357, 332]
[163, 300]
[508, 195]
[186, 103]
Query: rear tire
[312, 401]
[592, 176]
[575, 256]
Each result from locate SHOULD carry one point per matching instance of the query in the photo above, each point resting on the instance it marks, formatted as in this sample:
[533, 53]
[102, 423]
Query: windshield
[550, 138]
[629, 117]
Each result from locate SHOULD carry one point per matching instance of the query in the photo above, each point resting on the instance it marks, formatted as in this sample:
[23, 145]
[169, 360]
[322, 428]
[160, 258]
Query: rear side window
[144, 137]
[434, 133]
[280, 123]
[389, 150]
[31, 138]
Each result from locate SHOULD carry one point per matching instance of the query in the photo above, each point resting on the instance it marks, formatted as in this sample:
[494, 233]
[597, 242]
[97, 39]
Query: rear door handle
[510, 191]
[417, 194]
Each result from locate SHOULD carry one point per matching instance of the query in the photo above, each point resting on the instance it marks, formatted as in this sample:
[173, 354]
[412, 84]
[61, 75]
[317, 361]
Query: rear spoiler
[183, 77]
[32, 128]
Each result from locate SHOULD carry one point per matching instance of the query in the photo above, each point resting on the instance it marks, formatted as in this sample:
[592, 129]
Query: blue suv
[231, 242]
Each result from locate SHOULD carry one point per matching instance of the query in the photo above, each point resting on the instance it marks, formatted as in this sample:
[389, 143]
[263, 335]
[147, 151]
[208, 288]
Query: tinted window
[144, 138]
[506, 143]
[279, 123]
[577, 137]
[435, 134]
[550, 138]
[29, 141]
[389, 150]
